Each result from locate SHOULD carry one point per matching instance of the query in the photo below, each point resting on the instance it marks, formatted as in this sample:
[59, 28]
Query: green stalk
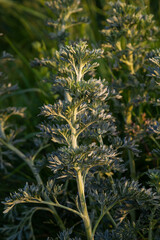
[104, 212]
[155, 141]
[130, 108]
[86, 219]
[129, 121]
[37, 177]
[129, 116]
[133, 177]
[132, 165]
[80, 184]
[25, 159]
[111, 219]
[100, 218]
[151, 225]
[73, 130]
[112, 183]
[2, 133]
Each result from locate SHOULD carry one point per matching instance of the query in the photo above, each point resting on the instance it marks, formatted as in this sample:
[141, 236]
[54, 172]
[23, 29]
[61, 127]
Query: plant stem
[130, 108]
[151, 224]
[129, 114]
[97, 223]
[64, 207]
[86, 219]
[2, 134]
[111, 219]
[132, 165]
[25, 159]
[102, 215]
[155, 141]
[112, 183]
[129, 121]
[133, 177]
[141, 235]
[131, 62]
[129, 117]
[73, 130]
[80, 183]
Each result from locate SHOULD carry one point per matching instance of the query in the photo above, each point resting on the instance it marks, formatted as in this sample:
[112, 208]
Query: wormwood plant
[154, 72]
[65, 18]
[66, 15]
[9, 153]
[86, 194]
[99, 202]
[154, 174]
[128, 34]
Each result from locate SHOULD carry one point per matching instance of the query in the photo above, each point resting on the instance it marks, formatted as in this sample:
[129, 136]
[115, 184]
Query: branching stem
[30, 163]
[80, 184]
[103, 213]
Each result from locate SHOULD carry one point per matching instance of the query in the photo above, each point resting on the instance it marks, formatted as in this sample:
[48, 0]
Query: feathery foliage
[84, 193]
